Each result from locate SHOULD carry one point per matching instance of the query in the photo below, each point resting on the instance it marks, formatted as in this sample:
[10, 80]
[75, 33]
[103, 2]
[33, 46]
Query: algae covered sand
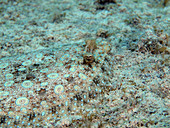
[51, 77]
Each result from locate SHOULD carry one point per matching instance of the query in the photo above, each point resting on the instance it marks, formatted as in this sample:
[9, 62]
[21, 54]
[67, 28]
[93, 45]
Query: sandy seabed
[48, 78]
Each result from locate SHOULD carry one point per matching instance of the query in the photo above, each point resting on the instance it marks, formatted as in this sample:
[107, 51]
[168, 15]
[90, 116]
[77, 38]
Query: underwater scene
[84, 64]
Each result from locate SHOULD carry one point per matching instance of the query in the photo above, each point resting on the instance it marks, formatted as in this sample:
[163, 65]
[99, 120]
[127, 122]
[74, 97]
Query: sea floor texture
[84, 63]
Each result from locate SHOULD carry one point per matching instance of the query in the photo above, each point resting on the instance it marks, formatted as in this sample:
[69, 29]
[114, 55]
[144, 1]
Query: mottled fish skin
[47, 85]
